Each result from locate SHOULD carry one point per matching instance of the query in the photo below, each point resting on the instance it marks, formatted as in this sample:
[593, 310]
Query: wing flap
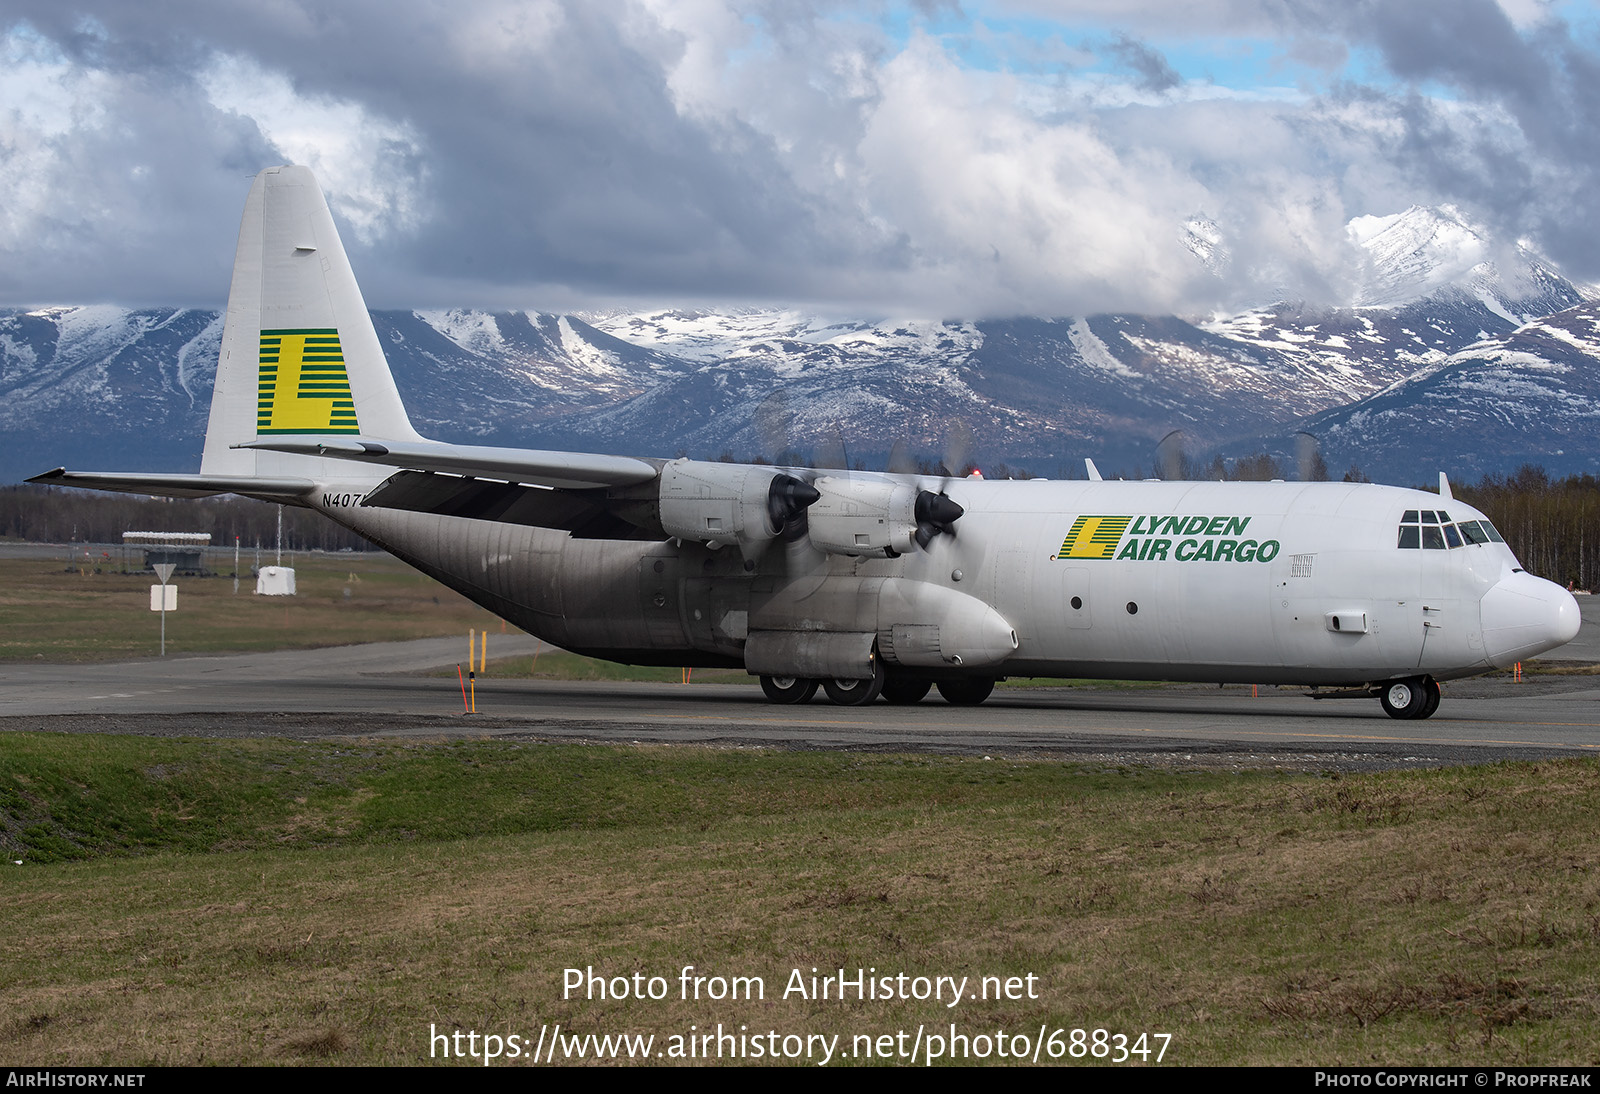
[584, 513]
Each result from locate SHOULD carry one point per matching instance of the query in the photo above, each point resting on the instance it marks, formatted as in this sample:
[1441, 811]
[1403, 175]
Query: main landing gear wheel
[1409, 699]
[966, 691]
[852, 693]
[905, 690]
[788, 689]
[1433, 699]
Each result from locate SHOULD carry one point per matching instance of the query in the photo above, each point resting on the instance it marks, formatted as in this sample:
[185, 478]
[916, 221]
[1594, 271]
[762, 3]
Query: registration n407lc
[865, 584]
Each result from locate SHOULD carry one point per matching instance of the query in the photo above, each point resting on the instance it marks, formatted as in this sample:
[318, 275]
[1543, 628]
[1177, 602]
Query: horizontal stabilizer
[563, 470]
[177, 486]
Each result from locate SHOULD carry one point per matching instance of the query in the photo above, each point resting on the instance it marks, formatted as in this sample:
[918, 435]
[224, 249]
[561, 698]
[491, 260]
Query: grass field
[273, 901]
[63, 610]
[268, 901]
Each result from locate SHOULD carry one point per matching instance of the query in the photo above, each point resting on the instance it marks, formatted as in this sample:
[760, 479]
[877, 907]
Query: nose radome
[1569, 618]
[1525, 615]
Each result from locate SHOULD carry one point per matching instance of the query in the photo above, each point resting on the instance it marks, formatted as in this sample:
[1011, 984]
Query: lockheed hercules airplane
[865, 583]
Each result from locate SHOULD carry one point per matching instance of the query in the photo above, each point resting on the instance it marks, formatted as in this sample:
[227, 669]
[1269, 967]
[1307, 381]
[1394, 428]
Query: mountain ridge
[105, 387]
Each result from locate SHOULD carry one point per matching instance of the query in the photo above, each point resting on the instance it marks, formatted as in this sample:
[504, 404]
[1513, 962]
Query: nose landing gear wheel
[1414, 698]
[788, 689]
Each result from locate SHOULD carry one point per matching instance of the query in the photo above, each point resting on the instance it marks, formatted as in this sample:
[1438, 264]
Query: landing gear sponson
[895, 688]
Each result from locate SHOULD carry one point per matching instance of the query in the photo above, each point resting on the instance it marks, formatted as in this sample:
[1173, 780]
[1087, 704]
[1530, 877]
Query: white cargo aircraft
[867, 584]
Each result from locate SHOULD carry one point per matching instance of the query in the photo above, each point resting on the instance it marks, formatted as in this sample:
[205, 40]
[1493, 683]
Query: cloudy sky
[939, 159]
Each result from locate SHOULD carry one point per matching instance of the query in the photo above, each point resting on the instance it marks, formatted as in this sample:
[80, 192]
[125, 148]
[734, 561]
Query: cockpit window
[1431, 530]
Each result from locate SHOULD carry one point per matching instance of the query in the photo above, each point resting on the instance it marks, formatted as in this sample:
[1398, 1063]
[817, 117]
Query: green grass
[258, 901]
[89, 796]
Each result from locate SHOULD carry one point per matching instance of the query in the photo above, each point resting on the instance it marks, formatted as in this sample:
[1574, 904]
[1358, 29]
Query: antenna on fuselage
[1444, 488]
[1094, 472]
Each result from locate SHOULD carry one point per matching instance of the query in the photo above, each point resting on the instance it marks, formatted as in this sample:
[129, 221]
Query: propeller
[1169, 456]
[957, 452]
[787, 500]
[900, 459]
[788, 496]
[773, 425]
[933, 512]
[936, 515]
[1308, 458]
[831, 453]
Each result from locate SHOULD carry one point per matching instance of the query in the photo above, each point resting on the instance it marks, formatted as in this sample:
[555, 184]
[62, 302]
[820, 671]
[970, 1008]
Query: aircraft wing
[561, 470]
[177, 486]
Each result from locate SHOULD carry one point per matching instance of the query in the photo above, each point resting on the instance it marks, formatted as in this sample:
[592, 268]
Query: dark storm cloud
[554, 152]
[145, 208]
[1154, 73]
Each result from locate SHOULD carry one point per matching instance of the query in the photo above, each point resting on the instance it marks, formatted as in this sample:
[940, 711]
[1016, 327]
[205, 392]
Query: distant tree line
[1553, 525]
[46, 514]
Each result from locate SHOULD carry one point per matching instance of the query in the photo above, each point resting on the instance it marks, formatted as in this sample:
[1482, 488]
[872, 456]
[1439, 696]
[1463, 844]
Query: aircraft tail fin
[299, 353]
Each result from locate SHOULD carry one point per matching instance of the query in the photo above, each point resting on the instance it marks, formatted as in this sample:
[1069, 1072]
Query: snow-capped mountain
[1531, 396]
[1436, 253]
[107, 387]
[121, 386]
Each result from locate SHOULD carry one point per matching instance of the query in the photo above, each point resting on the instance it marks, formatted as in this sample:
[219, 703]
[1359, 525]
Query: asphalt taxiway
[387, 689]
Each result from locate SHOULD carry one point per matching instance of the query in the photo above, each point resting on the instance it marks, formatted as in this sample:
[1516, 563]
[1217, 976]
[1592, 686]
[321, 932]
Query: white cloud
[825, 153]
[366, 163]
[45, 98]
[1010, 212]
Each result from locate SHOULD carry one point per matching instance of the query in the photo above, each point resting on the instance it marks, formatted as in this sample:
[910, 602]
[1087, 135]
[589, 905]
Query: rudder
[299, 353]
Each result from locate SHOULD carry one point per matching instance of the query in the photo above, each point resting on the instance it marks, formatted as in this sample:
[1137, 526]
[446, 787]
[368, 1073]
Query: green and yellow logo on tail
[303, 385]
[1093, 537]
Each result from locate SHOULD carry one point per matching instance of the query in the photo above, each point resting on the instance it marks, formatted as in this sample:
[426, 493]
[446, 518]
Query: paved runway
[380, 690]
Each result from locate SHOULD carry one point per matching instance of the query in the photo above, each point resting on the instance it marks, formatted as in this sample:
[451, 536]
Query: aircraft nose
[1525, 615]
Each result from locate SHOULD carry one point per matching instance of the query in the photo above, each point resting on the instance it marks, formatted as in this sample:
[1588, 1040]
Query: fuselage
[1243, 582]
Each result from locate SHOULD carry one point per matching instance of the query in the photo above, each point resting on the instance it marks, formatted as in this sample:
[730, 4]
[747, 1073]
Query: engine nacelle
[863, 516]
[721, 504]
